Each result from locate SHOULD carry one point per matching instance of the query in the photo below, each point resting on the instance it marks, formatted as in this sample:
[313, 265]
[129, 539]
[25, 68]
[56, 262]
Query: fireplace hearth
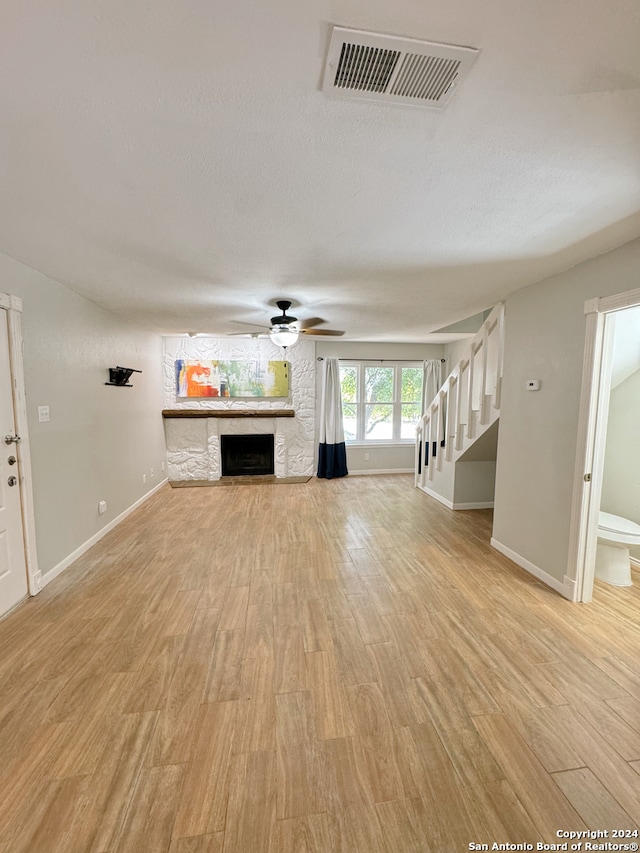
[246, 454]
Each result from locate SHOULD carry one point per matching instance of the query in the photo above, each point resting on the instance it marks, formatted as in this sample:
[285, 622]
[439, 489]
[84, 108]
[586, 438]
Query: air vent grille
[366, 69]
[394, 69]
[425, 77]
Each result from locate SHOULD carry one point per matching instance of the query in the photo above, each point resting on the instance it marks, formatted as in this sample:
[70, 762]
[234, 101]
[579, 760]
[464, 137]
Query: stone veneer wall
[193, 445]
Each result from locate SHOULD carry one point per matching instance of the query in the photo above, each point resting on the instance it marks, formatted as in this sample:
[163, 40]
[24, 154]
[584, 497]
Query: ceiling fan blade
[249, 333]
[304, 327]
[310, 322]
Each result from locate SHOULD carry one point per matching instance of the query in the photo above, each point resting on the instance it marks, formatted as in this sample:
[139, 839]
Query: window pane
[378, 422]
[350, 421]
[349, 384]
[411, 384]
[410, 417]
[378, 384]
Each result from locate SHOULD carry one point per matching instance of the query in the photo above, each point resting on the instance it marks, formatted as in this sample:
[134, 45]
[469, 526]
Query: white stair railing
[467, 403]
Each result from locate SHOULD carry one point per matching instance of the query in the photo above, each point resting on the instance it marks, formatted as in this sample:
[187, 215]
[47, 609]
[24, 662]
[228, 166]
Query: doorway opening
[605, 369]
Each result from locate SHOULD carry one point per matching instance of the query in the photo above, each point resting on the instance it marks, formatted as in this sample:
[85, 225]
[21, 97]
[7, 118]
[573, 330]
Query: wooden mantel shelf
[228, 413]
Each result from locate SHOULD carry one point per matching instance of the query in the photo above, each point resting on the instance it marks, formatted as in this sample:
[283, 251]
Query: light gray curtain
[332, 453]
[432, 379]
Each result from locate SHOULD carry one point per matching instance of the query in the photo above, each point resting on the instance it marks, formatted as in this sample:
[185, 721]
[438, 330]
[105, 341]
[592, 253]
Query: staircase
[462, 412]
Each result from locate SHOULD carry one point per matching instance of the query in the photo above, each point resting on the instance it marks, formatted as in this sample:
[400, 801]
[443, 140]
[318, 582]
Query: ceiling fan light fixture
[283, 335]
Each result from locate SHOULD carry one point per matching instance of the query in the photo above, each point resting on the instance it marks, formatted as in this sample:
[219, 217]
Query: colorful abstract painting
[232, 378]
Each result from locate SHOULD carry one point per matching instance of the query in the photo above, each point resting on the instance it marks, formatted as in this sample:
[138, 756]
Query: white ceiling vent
[394, 69]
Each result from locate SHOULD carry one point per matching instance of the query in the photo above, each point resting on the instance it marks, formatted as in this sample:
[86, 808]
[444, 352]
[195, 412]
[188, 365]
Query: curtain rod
[321, 358]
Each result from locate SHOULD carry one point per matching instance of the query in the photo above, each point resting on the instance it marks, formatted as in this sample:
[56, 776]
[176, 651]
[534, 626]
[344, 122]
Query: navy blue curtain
[332, 460]
[332, 452]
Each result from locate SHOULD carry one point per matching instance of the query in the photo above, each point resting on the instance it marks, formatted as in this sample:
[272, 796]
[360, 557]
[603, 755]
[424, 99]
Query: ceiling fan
[285, 329]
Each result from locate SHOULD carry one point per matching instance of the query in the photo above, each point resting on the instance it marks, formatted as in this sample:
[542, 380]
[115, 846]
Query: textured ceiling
[178, 164]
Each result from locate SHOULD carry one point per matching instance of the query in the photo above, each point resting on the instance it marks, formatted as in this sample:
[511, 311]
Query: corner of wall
[566, 588]
[53, 573]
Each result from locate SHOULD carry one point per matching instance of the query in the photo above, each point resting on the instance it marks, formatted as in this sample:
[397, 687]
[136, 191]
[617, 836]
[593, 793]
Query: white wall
[391, 457]
[454, 351]
[545, 332]
[621, 479]
[100, 439]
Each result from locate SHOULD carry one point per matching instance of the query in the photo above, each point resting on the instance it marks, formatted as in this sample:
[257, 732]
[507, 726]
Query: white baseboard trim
[571, 587]
[432, 494]
[478, 505]
[53, 573]
[534, 570]
[363, 473]
[450, 505]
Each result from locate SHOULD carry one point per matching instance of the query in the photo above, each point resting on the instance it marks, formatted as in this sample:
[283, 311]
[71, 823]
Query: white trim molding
[362, 472]
[13, 306]
[10, 302]
[455, 506]
[477, 505]
[592, 422]
[619, 301]
[585, 445]
[440, 498]
[562, 587]
[74, 555]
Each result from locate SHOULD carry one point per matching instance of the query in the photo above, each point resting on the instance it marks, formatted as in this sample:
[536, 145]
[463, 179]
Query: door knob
[12, 460]
[11, 439]
[12, 481]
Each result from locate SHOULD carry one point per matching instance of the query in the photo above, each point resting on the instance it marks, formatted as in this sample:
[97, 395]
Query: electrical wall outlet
[366, 457]
[102, 507]
[162, 467]
[144, 478]
[151, 473]
[43, 414]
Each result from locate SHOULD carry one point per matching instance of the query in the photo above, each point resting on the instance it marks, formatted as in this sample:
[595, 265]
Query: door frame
[592, 430]
[13, 307]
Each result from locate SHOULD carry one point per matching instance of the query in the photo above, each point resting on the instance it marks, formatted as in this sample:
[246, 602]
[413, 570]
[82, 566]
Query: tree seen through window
[380, 402]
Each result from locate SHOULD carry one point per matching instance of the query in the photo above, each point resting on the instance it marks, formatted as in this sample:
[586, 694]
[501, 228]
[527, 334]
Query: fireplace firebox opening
[246, 454]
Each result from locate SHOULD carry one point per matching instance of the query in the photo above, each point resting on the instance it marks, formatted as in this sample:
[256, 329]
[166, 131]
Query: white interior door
[13, 574]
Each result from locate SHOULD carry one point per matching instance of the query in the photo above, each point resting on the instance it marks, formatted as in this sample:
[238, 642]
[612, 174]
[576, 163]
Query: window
[380, 402]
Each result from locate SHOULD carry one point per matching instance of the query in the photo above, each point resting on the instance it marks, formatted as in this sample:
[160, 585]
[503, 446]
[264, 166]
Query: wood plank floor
[329, 667]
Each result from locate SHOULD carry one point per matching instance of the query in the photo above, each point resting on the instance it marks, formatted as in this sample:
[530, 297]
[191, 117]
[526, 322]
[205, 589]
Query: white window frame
[396, 404]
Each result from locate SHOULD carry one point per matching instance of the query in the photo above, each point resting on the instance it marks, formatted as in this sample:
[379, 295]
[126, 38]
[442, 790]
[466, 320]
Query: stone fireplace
[194, 441]
[195, 428]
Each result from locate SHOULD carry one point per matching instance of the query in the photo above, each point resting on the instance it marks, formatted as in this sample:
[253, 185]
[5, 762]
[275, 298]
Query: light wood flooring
[337, 667]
